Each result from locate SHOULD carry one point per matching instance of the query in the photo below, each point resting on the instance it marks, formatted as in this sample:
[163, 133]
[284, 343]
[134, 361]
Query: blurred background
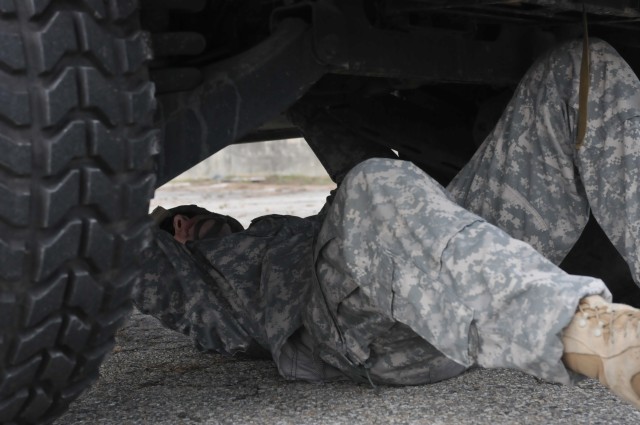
[249, 180]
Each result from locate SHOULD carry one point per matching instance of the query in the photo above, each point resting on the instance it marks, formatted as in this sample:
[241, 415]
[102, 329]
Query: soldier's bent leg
[468, 288]
[530, 178]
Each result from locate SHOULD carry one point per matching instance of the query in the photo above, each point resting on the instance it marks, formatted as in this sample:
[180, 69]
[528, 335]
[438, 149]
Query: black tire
[76, 176]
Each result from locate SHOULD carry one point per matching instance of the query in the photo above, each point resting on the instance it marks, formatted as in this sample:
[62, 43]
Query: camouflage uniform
[395, 281]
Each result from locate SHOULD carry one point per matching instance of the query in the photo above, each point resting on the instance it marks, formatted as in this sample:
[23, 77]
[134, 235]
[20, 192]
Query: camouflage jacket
[241, 293]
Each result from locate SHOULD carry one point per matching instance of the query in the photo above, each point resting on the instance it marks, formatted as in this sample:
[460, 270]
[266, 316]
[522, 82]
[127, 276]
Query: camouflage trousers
[529, 177]
[471, 270]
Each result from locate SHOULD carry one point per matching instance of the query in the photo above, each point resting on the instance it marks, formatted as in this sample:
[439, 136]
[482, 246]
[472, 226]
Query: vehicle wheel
[76, 176]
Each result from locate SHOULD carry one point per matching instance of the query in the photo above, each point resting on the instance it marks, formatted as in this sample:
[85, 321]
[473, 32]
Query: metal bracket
[237, 96]
[346, 41]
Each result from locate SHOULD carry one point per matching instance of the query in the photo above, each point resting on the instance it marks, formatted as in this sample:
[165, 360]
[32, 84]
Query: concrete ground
[155, 376]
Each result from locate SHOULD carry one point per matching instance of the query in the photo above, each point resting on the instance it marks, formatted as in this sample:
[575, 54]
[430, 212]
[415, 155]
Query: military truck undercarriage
[104, 100]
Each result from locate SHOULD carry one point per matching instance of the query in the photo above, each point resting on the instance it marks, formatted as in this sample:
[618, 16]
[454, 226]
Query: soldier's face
[197, 227]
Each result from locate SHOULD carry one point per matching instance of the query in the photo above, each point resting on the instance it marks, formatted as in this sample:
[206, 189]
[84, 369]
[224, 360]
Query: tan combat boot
[603, 341]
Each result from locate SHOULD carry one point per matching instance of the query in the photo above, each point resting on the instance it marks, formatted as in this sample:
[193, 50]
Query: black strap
[583, 91]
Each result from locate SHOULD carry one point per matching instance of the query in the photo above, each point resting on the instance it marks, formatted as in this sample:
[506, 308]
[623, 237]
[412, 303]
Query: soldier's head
[190, 222]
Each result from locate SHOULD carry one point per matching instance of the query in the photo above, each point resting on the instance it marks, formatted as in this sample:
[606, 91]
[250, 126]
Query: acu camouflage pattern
[396, 282]
[530, 179]
[477, 295]
[242, 293]
[178, 290]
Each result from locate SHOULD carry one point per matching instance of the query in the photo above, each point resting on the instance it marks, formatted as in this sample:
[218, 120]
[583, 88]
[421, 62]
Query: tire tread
[81, 194]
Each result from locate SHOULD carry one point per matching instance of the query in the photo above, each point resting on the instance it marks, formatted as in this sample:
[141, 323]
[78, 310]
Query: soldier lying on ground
[401, 281]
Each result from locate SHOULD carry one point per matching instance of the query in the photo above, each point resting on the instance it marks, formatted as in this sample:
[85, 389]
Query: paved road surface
[154, 376]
